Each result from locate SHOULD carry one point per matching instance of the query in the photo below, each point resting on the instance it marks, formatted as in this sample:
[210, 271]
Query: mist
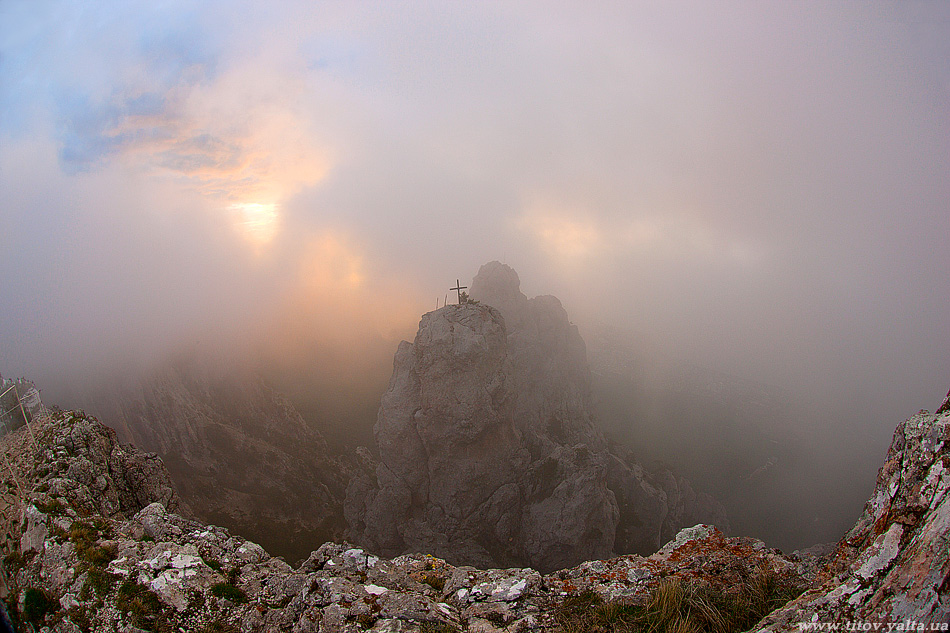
[756, 189]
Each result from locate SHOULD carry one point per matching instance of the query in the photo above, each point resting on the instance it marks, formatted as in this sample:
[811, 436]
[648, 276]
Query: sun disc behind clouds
[257, 220]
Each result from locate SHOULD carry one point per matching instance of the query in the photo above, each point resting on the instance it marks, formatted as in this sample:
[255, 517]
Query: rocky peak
[549, 358]
[498, 285]
[488, 453]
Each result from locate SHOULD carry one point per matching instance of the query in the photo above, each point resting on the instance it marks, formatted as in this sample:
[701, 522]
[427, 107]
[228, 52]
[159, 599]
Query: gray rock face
[551, 376]
[239, 452]
[71, 461]
[894, 564]
[488, 452]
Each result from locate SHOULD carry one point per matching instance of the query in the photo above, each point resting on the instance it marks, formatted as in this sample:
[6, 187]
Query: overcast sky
[762, 188]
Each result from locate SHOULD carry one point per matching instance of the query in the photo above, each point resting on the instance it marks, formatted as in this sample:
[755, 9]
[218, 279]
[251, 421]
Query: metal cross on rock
[459, 287]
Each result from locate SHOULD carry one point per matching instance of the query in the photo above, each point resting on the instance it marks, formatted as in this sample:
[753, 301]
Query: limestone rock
[132, 565]
[80, 464]
[488, 453]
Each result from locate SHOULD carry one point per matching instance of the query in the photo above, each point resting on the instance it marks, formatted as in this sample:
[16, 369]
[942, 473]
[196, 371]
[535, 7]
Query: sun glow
[565, 234]
[258, 221]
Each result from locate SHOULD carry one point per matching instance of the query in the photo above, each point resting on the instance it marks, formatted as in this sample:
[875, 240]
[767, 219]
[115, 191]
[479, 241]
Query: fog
[758, 189]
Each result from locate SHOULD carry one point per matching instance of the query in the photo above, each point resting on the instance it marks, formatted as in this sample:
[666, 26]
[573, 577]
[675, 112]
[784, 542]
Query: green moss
[212, 562]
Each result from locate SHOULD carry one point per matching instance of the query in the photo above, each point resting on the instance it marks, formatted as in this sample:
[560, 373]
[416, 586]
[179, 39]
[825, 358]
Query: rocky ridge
[488, 453]
[95, 545]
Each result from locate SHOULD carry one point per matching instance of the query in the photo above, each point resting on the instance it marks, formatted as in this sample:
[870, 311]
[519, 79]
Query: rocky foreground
[92, 543]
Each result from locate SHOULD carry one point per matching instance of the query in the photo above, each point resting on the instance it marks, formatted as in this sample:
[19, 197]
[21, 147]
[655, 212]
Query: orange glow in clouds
[565, 234]
[246, 142]
[332, 308]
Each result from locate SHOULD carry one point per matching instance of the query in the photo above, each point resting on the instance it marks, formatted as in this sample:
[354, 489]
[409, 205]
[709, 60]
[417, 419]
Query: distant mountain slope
[240, 453]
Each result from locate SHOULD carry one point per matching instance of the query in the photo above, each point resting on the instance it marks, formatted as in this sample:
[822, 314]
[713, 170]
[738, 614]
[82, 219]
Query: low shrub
[36, 604]
[229, 592]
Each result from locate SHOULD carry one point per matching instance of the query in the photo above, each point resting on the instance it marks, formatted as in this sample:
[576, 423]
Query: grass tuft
[142, 606]
[676, 607]
[434, 580]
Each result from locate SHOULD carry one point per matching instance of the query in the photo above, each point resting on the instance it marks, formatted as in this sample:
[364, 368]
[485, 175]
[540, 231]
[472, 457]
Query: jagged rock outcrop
[93, 546]
[79, 563]
[240, 453]
[67, 460]
[894, 564]
[488, 451]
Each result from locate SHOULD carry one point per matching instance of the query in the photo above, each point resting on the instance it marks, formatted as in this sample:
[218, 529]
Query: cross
[459, 287]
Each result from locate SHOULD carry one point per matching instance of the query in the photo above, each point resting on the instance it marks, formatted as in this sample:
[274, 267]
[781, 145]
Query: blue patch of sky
[172, 53]
[25, 34]
[180, 50]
